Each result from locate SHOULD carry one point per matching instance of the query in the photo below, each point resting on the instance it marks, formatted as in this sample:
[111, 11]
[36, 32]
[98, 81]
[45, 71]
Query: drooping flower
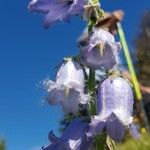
[114, 109]
[68, 88]
[74, 137]
[101, 50]
[56, 10]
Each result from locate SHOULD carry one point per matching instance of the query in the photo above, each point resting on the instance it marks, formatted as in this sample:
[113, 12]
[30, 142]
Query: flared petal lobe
[114, 127]
[56, 10]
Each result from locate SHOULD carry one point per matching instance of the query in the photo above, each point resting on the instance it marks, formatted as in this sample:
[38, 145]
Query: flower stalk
[91, 87]
[129, 62]
[133, 74]
[111, 99]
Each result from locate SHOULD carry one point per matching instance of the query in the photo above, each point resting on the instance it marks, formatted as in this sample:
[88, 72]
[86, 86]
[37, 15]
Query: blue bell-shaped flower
[56, 10]
[74, 137]
[100, 50]
[68, 87]
[114, 109]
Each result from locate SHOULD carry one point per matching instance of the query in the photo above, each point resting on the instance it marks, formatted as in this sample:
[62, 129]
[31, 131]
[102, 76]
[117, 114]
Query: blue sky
[29, 54]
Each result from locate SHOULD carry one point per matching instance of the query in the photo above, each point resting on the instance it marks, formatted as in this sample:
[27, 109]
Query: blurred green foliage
[142, 44]
[2, 145]
[132, 144]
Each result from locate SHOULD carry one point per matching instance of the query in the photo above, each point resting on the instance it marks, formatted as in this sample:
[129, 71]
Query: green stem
[91, 80]
[91, 85]
[99, 143]
[132, 71]
[129, 62]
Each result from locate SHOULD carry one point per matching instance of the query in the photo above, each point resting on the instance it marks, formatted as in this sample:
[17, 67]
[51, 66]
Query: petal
[71, 102]
[56, 10]
[102, 36]
[115, 96]
[56, 13]
[133, 130]
[54, 146]
[73, 99]
[74, 137]
[96, 126]
[52, 137]
[95, 60]
[55, 92]
[115, 128]
[77, 7]
[71, 74]
[53, 10]
[84, 98]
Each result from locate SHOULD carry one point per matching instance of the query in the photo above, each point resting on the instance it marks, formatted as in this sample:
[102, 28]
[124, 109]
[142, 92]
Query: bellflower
[100, 51]
[74, 137]
[114, 109]
[68, 88]
[56, 10]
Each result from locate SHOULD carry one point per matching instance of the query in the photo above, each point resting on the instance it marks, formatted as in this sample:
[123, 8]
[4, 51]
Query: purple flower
[100, 51]
[114, 109]
[74, 137]
[68, 88]
[56, 10]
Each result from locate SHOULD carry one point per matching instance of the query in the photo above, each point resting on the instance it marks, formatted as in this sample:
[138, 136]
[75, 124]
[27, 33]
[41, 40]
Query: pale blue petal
[115, 128]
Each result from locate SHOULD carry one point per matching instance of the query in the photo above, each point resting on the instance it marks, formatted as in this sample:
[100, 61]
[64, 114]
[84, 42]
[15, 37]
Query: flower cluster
[72, 86]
